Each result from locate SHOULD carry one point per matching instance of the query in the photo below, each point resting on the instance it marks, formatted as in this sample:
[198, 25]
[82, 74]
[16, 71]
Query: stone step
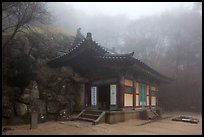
[92, 116]
[95, 116]
[151, 114]
[93, 112]
[86, 119]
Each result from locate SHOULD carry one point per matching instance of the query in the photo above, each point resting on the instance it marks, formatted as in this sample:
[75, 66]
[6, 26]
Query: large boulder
[21, 109]
[53, 107]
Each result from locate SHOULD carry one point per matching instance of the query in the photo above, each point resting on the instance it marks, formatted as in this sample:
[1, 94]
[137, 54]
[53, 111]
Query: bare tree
[172, 44]
[18, 16]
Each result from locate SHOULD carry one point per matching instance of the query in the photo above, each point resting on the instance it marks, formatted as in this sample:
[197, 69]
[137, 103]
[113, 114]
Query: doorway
[104, 97]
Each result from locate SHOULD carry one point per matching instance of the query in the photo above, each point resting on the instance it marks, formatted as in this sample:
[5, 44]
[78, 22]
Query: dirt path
[135, 126]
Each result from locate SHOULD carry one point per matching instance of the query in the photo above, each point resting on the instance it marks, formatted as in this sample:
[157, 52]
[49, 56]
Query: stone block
[21, 109]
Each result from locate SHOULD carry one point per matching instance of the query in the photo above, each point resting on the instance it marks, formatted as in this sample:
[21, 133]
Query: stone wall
[120, 116]
[59, 92]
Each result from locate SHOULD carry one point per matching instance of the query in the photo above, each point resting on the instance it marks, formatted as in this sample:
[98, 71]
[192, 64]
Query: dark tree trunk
[10, 39]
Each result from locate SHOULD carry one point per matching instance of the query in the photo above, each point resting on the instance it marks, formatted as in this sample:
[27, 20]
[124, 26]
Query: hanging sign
[113, 94]
[93, 96]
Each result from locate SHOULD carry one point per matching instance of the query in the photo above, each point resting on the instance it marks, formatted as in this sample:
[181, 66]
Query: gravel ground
[132, 127]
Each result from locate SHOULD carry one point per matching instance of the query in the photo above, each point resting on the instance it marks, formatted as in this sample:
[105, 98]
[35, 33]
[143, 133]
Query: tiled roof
[102, 54]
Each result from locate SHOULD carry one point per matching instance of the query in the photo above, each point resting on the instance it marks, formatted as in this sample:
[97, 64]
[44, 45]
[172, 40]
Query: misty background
[166, 36]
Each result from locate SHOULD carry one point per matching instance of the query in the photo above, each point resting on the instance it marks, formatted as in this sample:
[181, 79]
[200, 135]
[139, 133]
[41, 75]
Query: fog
[166, 36]
[113, 17]
[132, 9]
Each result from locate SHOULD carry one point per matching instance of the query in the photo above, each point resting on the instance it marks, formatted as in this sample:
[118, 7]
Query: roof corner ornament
[132, 53]
[89, 36]
[79, 35]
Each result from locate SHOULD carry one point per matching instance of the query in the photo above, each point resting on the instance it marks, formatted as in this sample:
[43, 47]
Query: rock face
[60, 103]
[62, 99]
[57, 96]
[21, 109]
[48, 95]
[54, 91]
[41, 107]
[26, 105]
[80, 98]
[63, 115]
[78, 78]
[7, 107]
[25, 98]
[53, 107]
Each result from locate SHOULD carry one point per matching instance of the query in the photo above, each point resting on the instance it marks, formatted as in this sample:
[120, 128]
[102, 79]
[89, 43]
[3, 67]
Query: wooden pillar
[156, 92]
[121, 91]
[134, 94]
[150, 96]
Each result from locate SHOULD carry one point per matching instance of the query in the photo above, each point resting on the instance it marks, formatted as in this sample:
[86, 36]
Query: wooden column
[156, 94]
[134, 94]
[121, 91]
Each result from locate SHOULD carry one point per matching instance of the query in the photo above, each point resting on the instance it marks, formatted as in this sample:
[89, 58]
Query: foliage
[171, 43]
[22, 15]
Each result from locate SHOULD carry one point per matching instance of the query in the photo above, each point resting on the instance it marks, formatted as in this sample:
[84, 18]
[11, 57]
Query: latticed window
[128, 96]
[153, 95]
[137, 103]
[148, 95]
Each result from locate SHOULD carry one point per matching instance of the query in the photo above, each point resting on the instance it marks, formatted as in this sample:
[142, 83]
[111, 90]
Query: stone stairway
[151, 114]
[95, 116]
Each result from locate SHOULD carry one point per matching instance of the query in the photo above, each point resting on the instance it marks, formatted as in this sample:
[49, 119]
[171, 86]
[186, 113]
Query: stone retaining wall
[120, 116]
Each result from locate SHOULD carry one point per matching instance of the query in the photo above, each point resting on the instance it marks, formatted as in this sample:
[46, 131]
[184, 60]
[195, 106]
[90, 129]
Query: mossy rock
[21, 71]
